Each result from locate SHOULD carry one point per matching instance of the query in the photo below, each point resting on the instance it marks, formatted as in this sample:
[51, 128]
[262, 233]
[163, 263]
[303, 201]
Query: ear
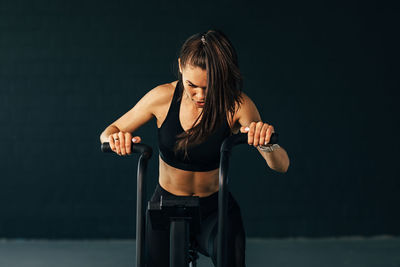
[180, 67]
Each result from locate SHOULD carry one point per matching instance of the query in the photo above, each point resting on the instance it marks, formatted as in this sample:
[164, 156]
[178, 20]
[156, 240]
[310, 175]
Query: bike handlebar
[147, 151]
[241, 138]
[143, 149]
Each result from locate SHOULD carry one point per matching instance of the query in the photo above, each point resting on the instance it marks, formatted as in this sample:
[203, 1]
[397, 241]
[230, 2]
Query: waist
[211, 197]
[187, 183]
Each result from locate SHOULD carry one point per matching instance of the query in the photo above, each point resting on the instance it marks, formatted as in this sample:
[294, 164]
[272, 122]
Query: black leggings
[157, 241]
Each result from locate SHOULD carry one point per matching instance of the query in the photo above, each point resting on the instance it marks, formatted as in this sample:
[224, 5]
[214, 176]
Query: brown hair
[211, 51]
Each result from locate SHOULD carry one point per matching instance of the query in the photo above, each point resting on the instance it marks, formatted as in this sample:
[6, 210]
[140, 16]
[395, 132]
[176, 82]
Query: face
[195, 84]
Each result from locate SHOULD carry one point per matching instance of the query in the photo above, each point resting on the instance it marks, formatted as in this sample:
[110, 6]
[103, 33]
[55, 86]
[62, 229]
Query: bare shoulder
[161, 95]
[153, 104]
[164, 89]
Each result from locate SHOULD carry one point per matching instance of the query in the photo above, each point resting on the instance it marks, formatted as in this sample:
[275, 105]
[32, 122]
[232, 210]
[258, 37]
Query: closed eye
[194, 86]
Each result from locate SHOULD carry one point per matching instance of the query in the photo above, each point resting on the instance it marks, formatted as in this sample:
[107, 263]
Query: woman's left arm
[259, 133]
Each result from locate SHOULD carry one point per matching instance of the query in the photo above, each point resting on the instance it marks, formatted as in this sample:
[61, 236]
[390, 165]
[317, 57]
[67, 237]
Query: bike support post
[226, 149]
[145, 154]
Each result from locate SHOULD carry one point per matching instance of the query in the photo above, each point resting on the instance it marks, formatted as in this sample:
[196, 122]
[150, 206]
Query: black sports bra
[202, 157]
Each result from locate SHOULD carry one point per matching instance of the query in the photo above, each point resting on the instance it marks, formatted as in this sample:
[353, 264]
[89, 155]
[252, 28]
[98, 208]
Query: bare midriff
[188, 183]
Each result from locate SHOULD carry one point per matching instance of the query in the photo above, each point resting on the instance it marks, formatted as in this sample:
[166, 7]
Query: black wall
[325, 75]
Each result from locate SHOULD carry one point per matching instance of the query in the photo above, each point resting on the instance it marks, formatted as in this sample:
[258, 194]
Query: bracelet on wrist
[269, 148]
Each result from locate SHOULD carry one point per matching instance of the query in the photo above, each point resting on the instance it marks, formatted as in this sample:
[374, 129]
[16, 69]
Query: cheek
[190, 91]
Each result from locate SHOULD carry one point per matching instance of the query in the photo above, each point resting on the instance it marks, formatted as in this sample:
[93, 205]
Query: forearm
[107, 132]
[277, 160]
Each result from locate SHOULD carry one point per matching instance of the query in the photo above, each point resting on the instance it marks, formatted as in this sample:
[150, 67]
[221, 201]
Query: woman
[194, 115]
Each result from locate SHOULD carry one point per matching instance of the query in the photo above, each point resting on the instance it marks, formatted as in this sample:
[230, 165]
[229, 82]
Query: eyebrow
[194, 84]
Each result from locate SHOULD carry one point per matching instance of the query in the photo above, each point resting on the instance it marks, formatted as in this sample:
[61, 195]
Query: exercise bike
[182, 215]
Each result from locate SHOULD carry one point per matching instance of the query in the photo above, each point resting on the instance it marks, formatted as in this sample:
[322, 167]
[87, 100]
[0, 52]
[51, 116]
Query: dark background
[325, 75]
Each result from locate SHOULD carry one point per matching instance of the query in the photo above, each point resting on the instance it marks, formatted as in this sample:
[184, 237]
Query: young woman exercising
[194, 115]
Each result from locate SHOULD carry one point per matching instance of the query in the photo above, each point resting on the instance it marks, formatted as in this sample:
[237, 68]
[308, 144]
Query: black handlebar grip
[136, 148]
[274, 138]
[105, 147]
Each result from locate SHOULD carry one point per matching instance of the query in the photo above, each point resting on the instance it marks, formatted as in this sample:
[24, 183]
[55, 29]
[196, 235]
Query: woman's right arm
[119, 133]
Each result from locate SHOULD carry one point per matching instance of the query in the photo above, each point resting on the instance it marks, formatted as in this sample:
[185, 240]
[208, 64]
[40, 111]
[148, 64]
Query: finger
[270, 130]
[257, 132]
[244, 129]
[111, 142]
[128, 143]
[250, 134]
[136, 139]
[116, 142]
[263, 134]
[121, 137]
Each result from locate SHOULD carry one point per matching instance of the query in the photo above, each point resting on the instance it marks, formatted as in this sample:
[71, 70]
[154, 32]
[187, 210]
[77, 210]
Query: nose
[201, 94]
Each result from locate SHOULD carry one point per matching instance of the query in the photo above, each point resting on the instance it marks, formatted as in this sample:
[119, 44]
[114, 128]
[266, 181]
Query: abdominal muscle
[187, 183]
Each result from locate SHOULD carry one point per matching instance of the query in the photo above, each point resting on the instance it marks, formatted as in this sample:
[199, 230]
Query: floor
[354, 252]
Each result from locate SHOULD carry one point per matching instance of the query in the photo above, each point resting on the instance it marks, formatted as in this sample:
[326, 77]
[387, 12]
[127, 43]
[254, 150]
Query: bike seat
[170, 208]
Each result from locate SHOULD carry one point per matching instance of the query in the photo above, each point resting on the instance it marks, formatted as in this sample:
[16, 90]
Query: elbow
[283, 168]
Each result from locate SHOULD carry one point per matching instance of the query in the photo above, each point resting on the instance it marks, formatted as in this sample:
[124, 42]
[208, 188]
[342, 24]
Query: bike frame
[145, 154]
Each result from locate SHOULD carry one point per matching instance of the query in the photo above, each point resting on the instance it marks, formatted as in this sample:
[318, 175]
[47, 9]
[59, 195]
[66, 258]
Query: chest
[186, 118]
